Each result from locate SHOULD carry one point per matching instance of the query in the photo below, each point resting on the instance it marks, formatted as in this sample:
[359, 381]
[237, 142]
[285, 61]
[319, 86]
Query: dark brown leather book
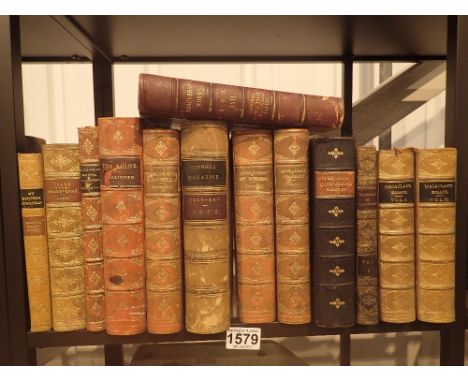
[161, 157]
[366, 237]
[206, 223]
[255, 238]
[396, 236]
[123, 235]
[292, 225]
[166, 97]
[92, 228]
[436, 172]
[333, 231]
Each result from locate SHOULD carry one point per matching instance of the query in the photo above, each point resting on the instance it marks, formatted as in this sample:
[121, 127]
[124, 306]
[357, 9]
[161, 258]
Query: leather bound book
[123, 236]
[92, 228]
[31, 180]
[65, 235]
[435, 172]
[396, 235]
[161, 157]
[255, 238]
[292, 225]
[333, 231]
[166, 97]
[367, 284]
[206, 215]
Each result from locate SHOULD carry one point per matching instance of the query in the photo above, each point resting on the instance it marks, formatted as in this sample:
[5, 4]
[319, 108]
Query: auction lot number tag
[243, 338]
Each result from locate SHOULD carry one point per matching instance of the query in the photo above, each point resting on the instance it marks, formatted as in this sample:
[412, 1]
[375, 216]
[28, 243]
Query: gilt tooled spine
[161, 157]
[166, 97]
[333, 231]
[65, 235]
[396, 235]
[205, 211]
[255, 239]
[121, 177]
[435, 234]
[367, 286]
[31, 179]
[291, 152]
[92, 228]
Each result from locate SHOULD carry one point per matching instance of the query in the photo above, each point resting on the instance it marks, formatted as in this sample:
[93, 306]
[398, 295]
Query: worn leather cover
[31, 180]
[166, 97]
[121, 177]
[255, 238]
[396, 235]
[367, 284]
[92, 228]
[435, 172]
[291, 148]
[333, 231]
[65, 235]
[161, 157]
[206, 216]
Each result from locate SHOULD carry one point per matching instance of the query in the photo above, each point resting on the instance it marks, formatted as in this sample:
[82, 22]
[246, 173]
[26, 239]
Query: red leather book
[166, 97]
[120, 152]
[255, 238]
[161, 153]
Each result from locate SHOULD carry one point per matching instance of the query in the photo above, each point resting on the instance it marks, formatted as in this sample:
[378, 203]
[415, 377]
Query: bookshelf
[105, 40]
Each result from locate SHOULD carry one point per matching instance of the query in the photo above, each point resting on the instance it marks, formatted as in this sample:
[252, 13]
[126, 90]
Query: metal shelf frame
[18, 345]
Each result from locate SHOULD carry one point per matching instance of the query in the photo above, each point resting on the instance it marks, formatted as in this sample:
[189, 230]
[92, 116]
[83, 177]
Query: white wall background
[58, 98]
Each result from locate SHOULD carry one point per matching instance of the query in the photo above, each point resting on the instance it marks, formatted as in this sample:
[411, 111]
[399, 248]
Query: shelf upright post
[347, 128]
[4, 330]
[103, 88]
[452, 340]
[104, 107]
[13, 141]
[385, 139]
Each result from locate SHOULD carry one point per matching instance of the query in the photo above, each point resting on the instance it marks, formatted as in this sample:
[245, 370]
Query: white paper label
[243, 338]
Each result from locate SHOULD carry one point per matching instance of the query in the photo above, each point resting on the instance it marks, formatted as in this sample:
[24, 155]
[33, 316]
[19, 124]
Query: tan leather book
[396, 235]
[31, 180]
[367, 284]
[436, 171]
[92, 228]
[65, 235]
[161, 157]
[254, 214]
[292, 225]
[207, 234]
[123, 236]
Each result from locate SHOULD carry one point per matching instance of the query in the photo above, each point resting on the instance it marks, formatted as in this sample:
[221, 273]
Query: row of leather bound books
[185, 226]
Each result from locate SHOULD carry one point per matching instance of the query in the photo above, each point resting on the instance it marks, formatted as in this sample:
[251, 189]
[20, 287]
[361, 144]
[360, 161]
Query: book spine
[366, 237]
[333, 231]
[179, 98]
[205, 211]
[292, 225]
[255, 239]
[31, 180]
[396, 235]
[65, 235]
[120, 153]
[161, 157]
[435, 234]
[92, 228]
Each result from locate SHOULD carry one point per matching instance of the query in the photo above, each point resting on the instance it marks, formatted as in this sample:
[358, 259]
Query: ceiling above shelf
[233, 38]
